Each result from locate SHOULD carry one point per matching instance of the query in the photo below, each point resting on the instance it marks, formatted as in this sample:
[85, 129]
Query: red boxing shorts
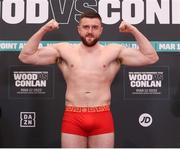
[87, 121]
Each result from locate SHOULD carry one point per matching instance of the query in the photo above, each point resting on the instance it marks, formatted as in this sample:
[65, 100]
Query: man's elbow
[153, 59]
[23, 59]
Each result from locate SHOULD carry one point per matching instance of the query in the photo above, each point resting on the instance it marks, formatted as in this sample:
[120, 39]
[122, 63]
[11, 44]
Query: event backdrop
[145, 100]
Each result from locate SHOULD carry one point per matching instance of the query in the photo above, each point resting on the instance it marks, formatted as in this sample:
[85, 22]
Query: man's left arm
[145, 54]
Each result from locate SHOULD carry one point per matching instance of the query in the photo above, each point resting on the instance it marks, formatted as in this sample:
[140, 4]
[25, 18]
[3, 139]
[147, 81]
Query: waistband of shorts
[87, 109]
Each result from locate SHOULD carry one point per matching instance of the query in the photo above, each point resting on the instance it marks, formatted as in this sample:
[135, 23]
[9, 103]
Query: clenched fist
[126, 27]
[51, 25]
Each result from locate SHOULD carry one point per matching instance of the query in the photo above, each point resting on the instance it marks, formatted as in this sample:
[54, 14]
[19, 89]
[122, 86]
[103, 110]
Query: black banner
[145, 100]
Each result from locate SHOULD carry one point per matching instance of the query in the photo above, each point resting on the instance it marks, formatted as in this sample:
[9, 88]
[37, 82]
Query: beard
[89, 43]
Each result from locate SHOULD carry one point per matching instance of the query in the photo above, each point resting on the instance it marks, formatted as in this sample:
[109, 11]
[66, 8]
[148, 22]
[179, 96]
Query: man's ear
[101, 29]
[78, 28]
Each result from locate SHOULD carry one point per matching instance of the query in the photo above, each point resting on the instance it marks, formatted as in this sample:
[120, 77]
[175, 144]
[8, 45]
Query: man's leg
[101, 141]
[73, 141]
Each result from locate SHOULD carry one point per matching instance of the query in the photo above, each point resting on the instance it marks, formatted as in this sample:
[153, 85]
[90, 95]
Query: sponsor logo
[145, 120]
[27, 119]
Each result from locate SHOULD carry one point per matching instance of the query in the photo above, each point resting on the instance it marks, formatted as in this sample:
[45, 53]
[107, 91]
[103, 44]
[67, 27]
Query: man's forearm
[33, 43]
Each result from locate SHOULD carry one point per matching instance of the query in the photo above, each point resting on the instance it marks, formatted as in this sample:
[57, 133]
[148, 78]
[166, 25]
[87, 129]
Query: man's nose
[90, 30]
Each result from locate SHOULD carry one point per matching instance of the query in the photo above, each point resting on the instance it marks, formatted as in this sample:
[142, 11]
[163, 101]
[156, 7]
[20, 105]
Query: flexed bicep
[43, 56]
[133, 57]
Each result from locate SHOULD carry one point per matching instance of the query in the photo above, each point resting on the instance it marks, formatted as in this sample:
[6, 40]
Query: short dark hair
[90, 14]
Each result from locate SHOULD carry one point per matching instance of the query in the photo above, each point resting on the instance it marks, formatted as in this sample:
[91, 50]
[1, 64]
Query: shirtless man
[89, 69]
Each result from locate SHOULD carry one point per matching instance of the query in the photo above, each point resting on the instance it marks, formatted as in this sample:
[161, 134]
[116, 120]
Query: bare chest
[93, 63]
[89, 64]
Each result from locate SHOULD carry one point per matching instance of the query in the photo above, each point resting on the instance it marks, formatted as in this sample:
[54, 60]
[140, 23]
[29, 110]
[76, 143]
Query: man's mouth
[90, 36]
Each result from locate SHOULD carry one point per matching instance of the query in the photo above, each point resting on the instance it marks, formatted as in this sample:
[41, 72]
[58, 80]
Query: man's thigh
[102, 140]
[73, 141]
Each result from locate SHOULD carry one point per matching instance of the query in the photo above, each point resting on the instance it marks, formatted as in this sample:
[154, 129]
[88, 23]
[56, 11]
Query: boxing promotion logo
[30, 78]
[27, 119]
[146, 79]
[111, 11]
[30, 81]
[147, 82]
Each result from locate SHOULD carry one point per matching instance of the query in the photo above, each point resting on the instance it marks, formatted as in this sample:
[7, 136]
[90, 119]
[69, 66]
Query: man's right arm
[32, 54]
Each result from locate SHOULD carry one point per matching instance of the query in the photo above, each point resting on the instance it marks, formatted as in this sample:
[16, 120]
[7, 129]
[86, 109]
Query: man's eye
[95, 27]
[85, 27]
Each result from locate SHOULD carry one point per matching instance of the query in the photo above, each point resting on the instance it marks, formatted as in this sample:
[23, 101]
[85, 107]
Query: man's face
[90, 30]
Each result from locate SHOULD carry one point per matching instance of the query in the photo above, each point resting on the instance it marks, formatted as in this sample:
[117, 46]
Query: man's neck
[91, 48]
